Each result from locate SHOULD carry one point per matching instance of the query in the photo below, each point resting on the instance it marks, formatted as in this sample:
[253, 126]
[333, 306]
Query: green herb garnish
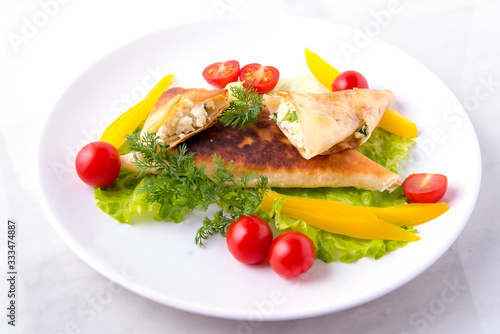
[244, 109]
[363, 130]
[179, 186]
[274, 117]
[291, 117]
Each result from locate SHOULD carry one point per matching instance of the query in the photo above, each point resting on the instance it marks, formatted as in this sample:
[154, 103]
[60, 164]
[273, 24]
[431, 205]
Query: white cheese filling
[361, 133]
[358, 135]
[290, 128]
[188, 116]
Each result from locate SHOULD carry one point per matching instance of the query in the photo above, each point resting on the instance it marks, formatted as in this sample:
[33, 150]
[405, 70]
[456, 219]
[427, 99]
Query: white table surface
[59, 293]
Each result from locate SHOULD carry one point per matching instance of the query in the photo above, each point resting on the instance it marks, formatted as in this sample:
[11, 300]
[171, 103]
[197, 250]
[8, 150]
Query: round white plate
[159, 260]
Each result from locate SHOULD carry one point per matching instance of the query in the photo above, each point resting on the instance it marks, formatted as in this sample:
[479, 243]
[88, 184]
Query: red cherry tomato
[261, 78]
[425, 187]
[248, 239]
[349, 80]
[220, 74]
[292, 254]
[98, 164]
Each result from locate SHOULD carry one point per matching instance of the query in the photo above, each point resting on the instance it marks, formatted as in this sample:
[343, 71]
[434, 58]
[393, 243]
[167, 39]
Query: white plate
[159, 260]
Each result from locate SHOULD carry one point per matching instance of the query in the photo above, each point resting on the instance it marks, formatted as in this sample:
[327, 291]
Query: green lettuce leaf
[124, 197]
[387, 149]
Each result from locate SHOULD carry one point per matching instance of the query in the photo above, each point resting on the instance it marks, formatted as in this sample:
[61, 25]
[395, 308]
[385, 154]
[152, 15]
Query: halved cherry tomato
[248, 239]
[98, 164]
[262, 78]
[425, 187]
[349, 80]
[292, 254]
[220, 74]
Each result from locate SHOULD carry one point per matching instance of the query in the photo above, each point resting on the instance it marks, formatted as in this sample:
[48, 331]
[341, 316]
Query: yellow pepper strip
[362, 229]
[391, 121]
[341, 210]
[410, 214]
[338, 217]
[348, 219]
[324, 72]
[398, 124]
[127, 122]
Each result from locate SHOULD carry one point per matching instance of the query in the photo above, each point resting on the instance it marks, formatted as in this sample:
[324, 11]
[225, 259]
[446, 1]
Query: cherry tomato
[248, 239]
[292, 254]
[349, 80]
[425, 187]
[98, 164]
[262, 78]
[220, 74]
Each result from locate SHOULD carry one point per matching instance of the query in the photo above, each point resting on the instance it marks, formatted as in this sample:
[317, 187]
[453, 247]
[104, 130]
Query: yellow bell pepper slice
[127, 122]
[322, 71]
[398, 124]
[357, 221]
[410, 214]
[339, 218]
[391, 121]
[341, 210]
[362, 229]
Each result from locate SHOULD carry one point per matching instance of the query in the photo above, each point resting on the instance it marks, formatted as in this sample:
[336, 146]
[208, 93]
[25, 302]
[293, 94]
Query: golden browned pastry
[330, 122]
[180, 113]
[264, 149]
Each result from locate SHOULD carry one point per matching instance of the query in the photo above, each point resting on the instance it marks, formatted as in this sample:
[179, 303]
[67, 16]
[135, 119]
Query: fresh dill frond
[179, 186]
[244, 109]
[235, 197]
[218, 224]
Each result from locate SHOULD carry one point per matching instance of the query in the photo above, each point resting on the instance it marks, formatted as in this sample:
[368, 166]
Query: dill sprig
[245, 107]
[179, 186]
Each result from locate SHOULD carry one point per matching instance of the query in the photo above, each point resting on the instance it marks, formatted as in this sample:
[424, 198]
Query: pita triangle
[330, 122]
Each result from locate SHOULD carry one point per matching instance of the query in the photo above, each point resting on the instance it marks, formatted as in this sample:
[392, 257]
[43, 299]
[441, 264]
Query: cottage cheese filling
[292, 129]
[189, 116]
